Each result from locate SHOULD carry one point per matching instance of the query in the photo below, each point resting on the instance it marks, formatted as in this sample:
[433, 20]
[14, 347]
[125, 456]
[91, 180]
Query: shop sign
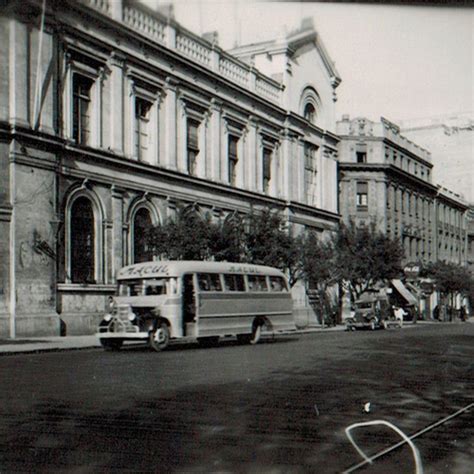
[412, 270]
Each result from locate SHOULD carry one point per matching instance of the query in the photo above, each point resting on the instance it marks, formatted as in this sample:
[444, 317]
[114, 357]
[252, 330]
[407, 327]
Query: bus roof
[175, 268]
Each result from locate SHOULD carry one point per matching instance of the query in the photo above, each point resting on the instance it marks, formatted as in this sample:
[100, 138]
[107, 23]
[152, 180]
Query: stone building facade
[112, 115]
[450, 139]
[387, 179]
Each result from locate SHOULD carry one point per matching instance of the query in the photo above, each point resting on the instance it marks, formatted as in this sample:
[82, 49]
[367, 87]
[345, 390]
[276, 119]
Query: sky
[400, 62]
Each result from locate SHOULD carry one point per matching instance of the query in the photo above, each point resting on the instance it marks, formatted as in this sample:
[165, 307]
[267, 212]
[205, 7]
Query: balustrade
[144, 23]
[158, 28]
[193, 49]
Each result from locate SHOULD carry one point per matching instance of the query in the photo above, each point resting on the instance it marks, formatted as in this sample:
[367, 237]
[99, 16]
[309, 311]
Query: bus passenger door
[189, 305]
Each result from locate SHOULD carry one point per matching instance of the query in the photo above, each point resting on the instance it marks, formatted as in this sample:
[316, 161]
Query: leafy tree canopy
[366, 256]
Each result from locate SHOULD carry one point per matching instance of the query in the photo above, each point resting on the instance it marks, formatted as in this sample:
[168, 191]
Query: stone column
[216, 160]
[251, 156]
[117, 112]
[18, 80]
[299, 183]
[117, 260]
[169, 136]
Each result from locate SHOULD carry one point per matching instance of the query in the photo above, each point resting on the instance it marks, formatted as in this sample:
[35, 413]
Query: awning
[403, 290]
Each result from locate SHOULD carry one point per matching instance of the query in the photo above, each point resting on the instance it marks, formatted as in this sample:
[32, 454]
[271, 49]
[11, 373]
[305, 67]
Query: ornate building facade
[387, 179]
[111, 115]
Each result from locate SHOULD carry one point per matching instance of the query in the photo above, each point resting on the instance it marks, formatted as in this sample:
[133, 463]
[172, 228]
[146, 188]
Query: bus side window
[252, 282]
[257, 283]
[203, 281]
[215, 280]
[234, 282]
[262, 283]
[209, 282]
[278, 284]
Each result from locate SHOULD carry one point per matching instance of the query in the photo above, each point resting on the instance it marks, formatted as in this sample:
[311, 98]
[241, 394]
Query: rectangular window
[192, 137]
[257, 283]
[310, 171]
[267, 169]
[233, 158]
[209, 282]
[278, 284]
[142, 119]
[234, 282]
[81, 109]
[361, 153]
[362, 194]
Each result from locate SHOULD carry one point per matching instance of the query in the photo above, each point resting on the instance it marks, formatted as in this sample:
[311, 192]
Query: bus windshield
[148, 287]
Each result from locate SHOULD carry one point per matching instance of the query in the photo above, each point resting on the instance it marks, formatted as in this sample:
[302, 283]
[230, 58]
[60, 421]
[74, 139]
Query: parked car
[372, 311]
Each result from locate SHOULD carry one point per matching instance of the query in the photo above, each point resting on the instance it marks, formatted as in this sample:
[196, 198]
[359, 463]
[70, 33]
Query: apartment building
[387, 179]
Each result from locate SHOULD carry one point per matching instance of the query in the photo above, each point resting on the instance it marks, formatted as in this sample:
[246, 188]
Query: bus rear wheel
[160, 337]
[251, 338]
[256, 334]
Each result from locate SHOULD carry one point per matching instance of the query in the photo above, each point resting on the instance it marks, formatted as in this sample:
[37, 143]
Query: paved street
[281, 406]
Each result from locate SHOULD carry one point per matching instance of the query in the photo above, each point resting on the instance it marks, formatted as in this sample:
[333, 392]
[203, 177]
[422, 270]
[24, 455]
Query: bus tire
[111, 344]
[256, 334]
[160, 337]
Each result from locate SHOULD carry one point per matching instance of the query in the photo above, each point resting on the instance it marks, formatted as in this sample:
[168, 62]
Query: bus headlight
[131, 316]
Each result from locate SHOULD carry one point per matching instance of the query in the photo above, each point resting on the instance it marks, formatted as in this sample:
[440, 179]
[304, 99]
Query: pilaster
[117, 258]
[216, 161]
[116, 104]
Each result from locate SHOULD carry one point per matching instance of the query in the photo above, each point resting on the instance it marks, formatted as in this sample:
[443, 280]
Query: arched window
[141, 224]
[309, 112]
[82, 241]
[310, 104]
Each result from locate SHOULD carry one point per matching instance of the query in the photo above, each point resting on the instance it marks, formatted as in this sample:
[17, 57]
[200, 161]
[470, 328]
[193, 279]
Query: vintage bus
[203, 301]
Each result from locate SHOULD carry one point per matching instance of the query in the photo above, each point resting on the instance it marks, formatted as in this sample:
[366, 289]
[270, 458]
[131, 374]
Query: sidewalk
[56, 343]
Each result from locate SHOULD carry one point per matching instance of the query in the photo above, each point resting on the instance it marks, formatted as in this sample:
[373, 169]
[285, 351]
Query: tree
[365, 257]
[317, 260]
[450, 279]
[184, 237]
[268, 241]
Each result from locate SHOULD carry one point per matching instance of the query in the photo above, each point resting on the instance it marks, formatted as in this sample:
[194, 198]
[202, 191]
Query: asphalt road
[278, 407]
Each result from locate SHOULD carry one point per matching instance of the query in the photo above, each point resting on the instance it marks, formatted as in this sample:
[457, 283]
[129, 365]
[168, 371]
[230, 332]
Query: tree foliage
[450, 279]
[365, 257]
[262, 238]
[358, 256]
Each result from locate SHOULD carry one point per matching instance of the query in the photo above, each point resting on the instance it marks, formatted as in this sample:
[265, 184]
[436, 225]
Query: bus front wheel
[160, 337]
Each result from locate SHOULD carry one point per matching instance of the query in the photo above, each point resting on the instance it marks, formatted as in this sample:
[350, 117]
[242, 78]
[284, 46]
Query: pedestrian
[436, 312]
[399, 314]
[462, 313]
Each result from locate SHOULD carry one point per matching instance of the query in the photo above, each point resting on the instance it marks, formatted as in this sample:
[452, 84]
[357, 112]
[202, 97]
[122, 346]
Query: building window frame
[310, 172]
[232, 158]
[140, 203]
[144, 113]
[362, 195]
[79, 67]
[192, 145]
[98, 232]
[310, 104]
